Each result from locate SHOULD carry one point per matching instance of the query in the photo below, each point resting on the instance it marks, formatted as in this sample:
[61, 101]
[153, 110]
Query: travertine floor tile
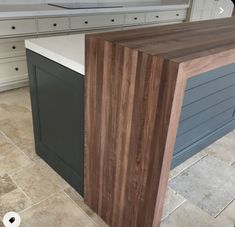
[189, 215]
[17, 97]
[172, 201]
[223, 149]
[20, 131]
[8, 111]
[78, 199]
[58, 211]
[6, 184]
[13, 201]
[209, 184]
[191, 161]
[227, 217]
[11, 158]
[39, 181]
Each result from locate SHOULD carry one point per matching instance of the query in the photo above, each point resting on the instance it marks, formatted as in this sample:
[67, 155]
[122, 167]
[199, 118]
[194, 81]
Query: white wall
[46, 1]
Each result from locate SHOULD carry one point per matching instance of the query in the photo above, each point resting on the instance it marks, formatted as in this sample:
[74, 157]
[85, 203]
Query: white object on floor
[11, 219]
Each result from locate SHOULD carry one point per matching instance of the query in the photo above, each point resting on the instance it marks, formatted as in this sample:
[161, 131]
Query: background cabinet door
[57, 96]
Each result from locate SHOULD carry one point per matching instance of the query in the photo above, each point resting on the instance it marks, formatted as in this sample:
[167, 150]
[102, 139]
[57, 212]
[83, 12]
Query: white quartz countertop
[68, 50]
[39, 10]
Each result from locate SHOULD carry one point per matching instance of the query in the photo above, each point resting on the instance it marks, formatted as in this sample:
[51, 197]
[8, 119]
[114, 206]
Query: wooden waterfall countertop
[135, 83]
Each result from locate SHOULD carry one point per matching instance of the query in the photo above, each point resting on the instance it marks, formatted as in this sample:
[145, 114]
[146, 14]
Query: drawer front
[85, 22]
[53, 24]
[166, 15]
[13, 69]
[135, 18]
[17, 27]
[12, 49]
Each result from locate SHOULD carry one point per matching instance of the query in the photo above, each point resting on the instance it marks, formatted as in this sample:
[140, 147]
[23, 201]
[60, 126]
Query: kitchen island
[153, 98]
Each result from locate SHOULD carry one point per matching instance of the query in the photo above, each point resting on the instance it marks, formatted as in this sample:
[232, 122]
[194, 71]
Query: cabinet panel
[202, 130]
[12, 49]
[53, 24]
[166, 15]
[207, 89]
[57, 95]
[13, 69]
[17, 27]
[85, 22]
[207, 112]
[135, 18]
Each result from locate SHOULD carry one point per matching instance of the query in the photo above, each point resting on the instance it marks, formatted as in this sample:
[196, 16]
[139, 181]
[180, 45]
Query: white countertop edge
[63, 12]
[73, 65]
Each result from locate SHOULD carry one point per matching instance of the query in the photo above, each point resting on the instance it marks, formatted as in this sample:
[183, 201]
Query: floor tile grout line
[170, 213]
[81, 208]
[13, 143]
[206, 155]
[22, 169]
[217, 215]
[20, 188]
[43, 200]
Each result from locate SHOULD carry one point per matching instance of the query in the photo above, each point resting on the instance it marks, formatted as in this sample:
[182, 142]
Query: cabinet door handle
[177, 14]
[16, 69]
[54, 24]
[86, 22]
[112, 20]
[135, 18]
[13, 47]
[157, 16]
[13, 27]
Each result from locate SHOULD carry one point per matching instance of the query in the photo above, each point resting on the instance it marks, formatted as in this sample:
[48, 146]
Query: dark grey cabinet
[57, 96]
[207, 113]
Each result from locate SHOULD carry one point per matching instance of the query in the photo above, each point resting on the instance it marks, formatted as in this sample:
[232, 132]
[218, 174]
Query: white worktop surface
[39, 10]
[68, 50]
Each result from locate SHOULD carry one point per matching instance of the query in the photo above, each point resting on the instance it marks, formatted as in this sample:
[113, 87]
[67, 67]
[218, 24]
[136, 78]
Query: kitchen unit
[152, 97]
[20, 22]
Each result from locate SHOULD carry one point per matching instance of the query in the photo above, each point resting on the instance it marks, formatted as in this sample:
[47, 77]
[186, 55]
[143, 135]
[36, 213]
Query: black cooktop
[85, 5]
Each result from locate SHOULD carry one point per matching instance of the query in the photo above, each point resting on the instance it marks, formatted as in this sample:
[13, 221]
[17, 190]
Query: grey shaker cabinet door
[57, 96]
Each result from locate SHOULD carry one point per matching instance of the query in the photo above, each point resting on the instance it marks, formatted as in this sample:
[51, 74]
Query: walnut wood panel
[135, 82]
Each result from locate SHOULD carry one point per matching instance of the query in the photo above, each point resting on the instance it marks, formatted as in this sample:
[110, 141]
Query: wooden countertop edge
[210, 62]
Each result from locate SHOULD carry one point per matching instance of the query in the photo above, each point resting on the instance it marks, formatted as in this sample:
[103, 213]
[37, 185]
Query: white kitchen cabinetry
[17, 27]
[97, 21]
[210, 9]
[53, 24]
[13, 32]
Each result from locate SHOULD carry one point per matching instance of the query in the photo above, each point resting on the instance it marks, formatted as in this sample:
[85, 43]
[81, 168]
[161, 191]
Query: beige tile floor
[43, 199]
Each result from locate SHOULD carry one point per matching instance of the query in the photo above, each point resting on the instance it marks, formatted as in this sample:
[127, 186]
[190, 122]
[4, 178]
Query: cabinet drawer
[12, 49]
[135, 18]
[85, 22]
[166, 15]
[13, 69]
[53, 24]
[17, 27]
